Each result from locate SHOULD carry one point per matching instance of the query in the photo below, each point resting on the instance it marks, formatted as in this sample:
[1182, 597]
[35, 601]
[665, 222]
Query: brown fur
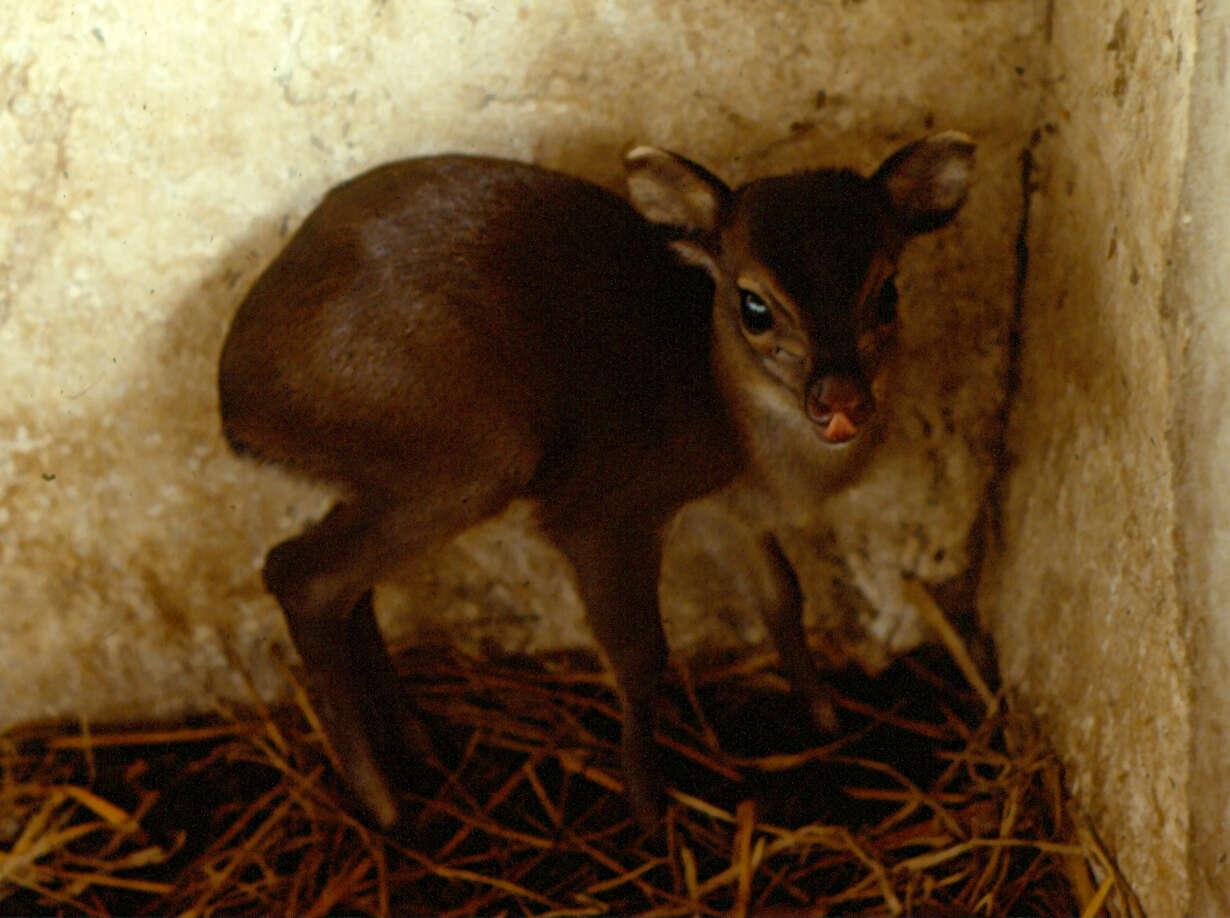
[445, 334]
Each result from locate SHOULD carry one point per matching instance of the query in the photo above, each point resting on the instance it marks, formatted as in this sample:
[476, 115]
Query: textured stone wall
[157, 156]
[1194, 302]
[1108, 592]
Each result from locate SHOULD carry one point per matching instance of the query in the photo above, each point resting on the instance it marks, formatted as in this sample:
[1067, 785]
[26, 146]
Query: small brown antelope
[445, 334]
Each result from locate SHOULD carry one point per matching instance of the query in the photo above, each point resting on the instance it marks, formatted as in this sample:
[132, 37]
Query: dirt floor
[929, 804]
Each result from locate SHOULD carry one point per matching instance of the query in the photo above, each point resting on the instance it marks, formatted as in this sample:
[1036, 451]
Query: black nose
[840, 406]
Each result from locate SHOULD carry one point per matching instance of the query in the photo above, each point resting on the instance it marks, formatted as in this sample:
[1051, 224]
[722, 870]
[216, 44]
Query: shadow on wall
[151, 615]
[182, 582]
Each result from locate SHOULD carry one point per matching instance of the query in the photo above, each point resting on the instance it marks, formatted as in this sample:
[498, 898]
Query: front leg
[782, 610]
[617, 575]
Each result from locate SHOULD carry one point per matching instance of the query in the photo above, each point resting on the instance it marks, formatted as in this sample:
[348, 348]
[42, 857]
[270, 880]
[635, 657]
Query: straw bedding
[936, 800]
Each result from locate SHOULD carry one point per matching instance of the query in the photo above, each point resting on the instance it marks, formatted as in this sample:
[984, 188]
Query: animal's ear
[927, 180]
[671, 190]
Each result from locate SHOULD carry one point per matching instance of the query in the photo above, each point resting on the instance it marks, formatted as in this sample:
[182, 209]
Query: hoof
[824, 714]
[643, 781]
[647, 797]
[372, 788]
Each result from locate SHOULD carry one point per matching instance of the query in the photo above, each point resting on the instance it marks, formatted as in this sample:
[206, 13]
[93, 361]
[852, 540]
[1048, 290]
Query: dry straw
[938, 800]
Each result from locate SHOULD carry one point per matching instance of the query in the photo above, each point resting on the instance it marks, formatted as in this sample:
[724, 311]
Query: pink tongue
[840, 429]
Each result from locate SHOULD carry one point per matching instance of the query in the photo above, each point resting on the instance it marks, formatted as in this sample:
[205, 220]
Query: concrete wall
[1115, 523]
[157, 156]
[1194, 302]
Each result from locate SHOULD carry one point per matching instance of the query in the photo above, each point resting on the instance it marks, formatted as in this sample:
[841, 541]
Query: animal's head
[803, 265]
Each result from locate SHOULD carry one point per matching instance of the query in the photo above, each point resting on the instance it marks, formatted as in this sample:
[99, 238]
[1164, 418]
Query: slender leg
[783, 616]
[617, 574]
[635, 648]
[323, 580]
[389, 718]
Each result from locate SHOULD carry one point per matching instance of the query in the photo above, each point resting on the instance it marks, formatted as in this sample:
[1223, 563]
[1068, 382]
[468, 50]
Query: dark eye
[886, 303]
[755, 312]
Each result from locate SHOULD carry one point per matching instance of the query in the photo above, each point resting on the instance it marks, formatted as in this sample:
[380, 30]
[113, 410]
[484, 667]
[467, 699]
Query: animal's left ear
[927, 180]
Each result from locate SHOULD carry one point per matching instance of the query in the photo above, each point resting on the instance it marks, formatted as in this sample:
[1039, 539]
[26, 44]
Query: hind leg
[323, 581]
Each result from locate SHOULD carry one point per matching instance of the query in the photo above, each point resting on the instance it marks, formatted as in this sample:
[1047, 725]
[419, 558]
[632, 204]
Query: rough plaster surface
[1091, 531]
[1195, 305]
[156, 159]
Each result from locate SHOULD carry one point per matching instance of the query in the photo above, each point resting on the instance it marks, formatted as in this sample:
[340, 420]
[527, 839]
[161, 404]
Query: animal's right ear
[671, 190]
